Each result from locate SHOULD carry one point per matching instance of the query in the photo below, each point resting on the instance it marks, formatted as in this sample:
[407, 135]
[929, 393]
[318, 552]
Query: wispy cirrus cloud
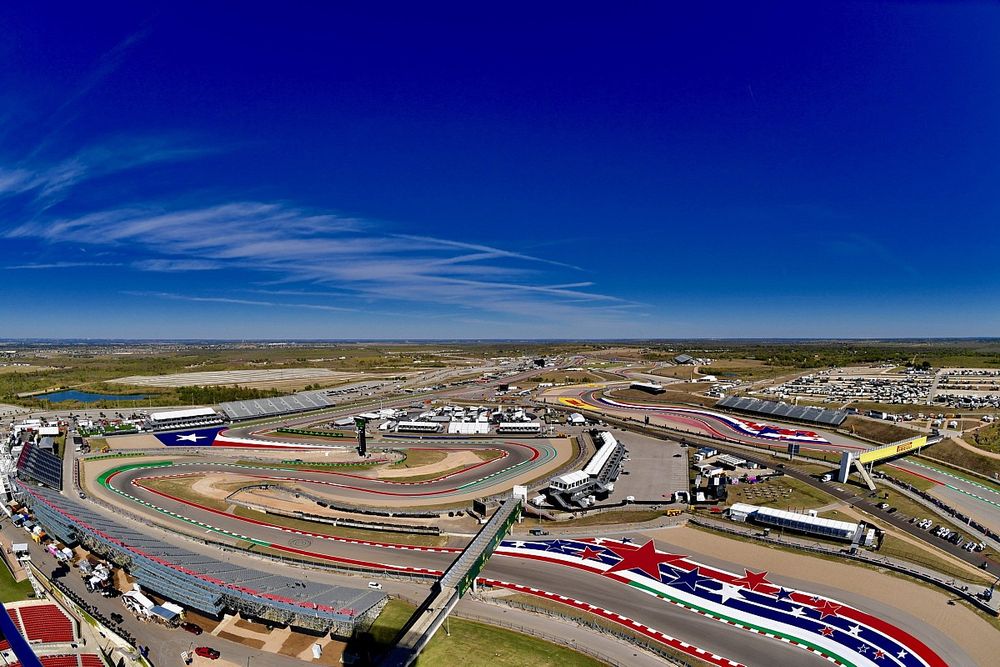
[167, 265]
[288, 246]
[49, 182]
[58, 265]
[238, 302]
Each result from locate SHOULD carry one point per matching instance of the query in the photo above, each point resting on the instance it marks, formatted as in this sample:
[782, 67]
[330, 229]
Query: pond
[88, 397]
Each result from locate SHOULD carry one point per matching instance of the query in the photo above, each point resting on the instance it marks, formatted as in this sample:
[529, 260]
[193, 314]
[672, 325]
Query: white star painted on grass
[191, 437]
[797, 612]
[902, 655]
[854, 631]
[519, 544]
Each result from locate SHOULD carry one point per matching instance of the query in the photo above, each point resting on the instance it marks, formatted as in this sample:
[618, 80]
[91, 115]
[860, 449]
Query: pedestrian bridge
[454, 583]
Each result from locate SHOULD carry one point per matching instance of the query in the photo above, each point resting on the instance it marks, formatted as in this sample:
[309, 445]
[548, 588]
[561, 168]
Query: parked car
[193, 628]
[374, 585]
[207, 652]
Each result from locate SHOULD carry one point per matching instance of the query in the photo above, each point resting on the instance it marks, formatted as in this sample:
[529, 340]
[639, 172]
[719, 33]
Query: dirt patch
[246, 641]
[250, 625]
[671, 396]
[879, 431]
[452, 461]
[297, 642]
[218, 486]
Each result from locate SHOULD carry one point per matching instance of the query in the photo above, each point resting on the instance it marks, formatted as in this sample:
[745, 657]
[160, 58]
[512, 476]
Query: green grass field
[790, 494]
[474, 644]
[986, 438]
[420, 457]
[10, 590]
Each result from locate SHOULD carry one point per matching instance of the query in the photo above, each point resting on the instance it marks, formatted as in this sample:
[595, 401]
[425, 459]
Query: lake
[88, 397]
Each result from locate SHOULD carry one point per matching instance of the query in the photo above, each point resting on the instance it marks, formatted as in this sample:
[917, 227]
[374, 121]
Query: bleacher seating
[84, 660]
[16, 620]
[60, 661]
[45, 623]
[802, 413]
[40, 465]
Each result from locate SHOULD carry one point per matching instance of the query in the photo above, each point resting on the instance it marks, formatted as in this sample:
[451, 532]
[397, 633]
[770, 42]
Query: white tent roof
[182, 414]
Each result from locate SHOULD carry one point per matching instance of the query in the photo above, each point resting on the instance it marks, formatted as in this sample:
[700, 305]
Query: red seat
[4, 645]
[59, 661]
[46, 623]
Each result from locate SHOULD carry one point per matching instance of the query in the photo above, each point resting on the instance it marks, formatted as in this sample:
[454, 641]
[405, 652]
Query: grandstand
[43, 628]
[809, 524]
[576, 489]
[527, 428]
[418, 427]
[43, 623]
[798, 413]
[40, 465]
[190, 418]
[279, 405]
[201, 582]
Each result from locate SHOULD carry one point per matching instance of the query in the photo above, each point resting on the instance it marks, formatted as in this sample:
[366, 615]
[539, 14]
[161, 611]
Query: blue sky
[727, 170]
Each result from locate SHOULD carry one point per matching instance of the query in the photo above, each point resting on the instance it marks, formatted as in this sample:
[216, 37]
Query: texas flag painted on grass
[199, 437]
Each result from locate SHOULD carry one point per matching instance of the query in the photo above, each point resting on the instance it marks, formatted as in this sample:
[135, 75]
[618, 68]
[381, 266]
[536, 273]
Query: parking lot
[654, 468]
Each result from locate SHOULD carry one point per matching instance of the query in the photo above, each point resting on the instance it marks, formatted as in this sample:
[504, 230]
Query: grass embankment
[181, 488]
[896, 547]
[668, 397]
[612, 517]
[795, 495]
[593, 619]
[98, 444]
[784, 493]
[567, 377]
[879, 431]
[346, 533]
[420, 457]
[986, 438]
[482, 455]
[10, 590]
[470, 643]
[950, 452]
[308, 465]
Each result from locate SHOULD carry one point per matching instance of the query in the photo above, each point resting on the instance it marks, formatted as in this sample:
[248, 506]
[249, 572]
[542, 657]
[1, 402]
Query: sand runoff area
[974, 634]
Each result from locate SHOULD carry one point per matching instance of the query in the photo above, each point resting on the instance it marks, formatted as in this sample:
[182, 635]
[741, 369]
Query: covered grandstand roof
[199, 574]
[798, 517]
[182, 414]
[279, 405]
[802, 413]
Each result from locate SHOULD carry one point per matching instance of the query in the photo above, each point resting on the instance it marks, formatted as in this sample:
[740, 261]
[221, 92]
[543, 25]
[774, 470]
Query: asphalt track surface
[707, 633]
[724, 640]
[979, 500]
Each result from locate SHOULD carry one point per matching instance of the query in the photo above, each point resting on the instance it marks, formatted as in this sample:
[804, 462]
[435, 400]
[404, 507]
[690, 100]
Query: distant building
[809, 524]
[190, 418]
[683, 359]
[648, 387]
